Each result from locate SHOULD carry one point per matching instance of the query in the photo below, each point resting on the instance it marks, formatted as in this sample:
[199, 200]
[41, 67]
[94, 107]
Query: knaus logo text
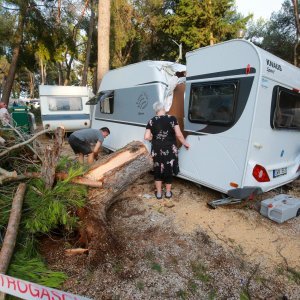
[272, 65]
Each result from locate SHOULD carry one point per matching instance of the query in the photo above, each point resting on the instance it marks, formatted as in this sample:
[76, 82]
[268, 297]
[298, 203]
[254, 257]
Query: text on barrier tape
[32, 291]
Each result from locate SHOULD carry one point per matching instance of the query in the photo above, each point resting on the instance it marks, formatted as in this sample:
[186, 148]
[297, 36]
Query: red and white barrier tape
[31, 291]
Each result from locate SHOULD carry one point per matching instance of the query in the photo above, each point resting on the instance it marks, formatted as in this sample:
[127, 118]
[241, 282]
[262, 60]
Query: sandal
[170, 196]
[158, 197]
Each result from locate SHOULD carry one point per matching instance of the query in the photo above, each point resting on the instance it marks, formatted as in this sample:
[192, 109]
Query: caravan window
[213, 103]
[64, 103]
[107, 104]
[287, 109]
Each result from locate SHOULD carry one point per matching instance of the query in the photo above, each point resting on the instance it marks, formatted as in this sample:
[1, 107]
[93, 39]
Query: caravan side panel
[127, 114]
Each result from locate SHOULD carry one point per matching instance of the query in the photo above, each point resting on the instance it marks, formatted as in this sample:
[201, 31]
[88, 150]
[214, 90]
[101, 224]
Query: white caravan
[241, 116]
[65, 106]
[127, 95]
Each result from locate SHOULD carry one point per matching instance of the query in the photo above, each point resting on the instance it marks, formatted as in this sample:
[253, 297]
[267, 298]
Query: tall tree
[278, 35]
[297, 23]
[88, 44]
[18, 37]
[103, 38]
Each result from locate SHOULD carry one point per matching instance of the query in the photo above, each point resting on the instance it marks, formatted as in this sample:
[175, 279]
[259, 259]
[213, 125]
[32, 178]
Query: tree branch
[24, 143]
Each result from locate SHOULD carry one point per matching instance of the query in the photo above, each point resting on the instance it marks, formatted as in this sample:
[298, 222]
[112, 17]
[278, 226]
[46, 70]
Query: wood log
[70, 252]
[10, 237]
[116, 172]
[12, 228]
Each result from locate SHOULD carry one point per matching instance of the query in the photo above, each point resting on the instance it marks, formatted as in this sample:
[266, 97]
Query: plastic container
[280, 208]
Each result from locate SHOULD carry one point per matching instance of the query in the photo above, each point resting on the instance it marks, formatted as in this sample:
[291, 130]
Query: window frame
[277, 92]
[61, 98]
[110, 95]
[235, 83]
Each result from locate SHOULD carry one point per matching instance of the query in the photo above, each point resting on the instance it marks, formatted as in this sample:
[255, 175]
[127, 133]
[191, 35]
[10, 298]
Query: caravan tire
[298, 213]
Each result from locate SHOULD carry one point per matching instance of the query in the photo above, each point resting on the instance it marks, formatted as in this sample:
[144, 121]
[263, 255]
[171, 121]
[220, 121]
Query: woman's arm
[148, 135]
[180, 137]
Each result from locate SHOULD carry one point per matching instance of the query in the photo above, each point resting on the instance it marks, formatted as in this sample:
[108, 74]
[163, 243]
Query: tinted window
[287, 109]
[107, 104]
[213, 103]
[64, 103]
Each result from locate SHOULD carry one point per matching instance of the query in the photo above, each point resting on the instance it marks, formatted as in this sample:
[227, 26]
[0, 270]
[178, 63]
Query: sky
[260, 8]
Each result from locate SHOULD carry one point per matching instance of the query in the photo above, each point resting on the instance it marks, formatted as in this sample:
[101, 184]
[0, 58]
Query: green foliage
[33, 269]
[278, 35]
[244, 295]
[46, 209]
[197, 23]
[43, 211]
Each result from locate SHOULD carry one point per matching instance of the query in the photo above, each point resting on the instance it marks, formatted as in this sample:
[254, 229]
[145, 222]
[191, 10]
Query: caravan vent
[260, 174]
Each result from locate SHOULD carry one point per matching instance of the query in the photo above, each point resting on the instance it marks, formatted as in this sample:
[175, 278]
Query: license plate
[279, 172]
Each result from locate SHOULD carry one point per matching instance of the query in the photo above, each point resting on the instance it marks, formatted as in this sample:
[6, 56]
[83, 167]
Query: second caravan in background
[65, 106]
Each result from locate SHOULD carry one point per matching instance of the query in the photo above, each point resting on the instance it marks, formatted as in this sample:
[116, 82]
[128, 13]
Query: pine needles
[44, 210]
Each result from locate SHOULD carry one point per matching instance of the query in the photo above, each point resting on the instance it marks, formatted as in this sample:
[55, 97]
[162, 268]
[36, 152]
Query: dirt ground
[183, 249]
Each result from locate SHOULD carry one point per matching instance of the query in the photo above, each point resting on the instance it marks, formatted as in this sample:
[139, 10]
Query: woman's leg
[158, 185]
[168, 183]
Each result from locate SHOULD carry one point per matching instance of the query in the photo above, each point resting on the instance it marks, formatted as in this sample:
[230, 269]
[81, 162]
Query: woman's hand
[186, 145]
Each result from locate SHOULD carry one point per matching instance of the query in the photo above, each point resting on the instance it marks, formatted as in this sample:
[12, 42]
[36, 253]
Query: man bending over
[81, 142]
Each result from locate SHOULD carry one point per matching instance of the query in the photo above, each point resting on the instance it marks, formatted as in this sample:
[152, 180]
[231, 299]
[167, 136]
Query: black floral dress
[164, 150]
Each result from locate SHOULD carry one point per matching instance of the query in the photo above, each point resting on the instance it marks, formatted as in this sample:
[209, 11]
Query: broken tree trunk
[9, 241]
[51, 157]
[116, 172]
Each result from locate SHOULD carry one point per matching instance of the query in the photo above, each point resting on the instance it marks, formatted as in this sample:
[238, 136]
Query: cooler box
[280, 208]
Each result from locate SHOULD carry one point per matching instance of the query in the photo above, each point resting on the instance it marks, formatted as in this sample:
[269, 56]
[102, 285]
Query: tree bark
[12, 229]
[15, 56]
[51, 157]
[103, 39]
[297, 23]
[116, 172]
[88, 45]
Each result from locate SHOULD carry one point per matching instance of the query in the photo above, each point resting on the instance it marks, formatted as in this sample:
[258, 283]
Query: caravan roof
[140, 73]
[244, 54]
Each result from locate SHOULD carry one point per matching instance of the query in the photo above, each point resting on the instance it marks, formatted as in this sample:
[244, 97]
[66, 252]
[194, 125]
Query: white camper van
[66, 106]
[125, 98]
[241, 116]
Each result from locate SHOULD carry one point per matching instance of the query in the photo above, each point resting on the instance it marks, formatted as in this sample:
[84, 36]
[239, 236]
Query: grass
[156, 267]
[199, 271]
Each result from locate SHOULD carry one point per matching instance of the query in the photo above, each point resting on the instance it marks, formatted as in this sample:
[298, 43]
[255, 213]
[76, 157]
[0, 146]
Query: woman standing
[162, 131]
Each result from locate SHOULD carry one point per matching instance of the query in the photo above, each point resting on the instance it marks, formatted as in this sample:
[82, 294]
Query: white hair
[157, 106]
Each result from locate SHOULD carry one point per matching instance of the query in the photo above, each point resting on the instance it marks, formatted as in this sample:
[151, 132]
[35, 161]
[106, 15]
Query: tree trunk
[60, 73]
[68, 73]
[88, 45]
[31, 84]
[15, 56]
[51, 157]
[116, 172]
[103, 39]
[10, 238]
[297, 23]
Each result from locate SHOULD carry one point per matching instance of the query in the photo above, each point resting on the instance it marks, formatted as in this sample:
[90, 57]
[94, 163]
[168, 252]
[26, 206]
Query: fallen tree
[116, 172]
[109, 177]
